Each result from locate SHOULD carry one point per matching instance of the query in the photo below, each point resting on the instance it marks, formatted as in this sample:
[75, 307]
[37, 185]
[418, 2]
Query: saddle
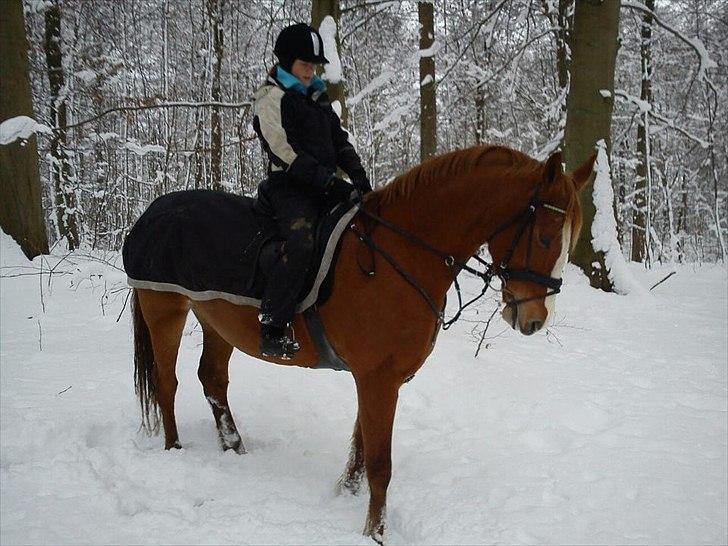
[207, 245]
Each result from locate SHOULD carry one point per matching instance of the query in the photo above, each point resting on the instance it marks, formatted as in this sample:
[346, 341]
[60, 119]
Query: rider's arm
[274, 123]
[346, 156]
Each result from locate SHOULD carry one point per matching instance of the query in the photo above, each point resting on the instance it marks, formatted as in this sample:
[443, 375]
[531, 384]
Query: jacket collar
[288, 81]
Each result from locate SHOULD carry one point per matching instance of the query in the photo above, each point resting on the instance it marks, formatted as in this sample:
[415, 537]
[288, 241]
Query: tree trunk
[640, 215]
[589, 112]
[61, 171]
[336, 90]
[562, 42]
[21, 210]
[214, 11]
[428, 102]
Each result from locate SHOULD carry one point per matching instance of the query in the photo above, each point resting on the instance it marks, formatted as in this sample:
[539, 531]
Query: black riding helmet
[299, 41]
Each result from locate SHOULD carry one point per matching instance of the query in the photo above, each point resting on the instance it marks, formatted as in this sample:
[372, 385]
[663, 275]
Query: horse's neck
[456, 215]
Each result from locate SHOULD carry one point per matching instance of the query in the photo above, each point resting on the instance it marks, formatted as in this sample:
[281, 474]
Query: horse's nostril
[534, 326]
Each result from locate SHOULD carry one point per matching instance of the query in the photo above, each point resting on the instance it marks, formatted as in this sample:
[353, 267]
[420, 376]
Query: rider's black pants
[296, 213]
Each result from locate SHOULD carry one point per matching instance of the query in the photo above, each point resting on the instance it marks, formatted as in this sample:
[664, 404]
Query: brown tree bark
[589, 112]
[62, 173]
[214, 12]
[428, 98]
[21, 210]
[640, 214]
[562, 42]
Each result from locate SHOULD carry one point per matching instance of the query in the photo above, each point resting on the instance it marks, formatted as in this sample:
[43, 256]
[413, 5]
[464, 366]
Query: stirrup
[282, 346]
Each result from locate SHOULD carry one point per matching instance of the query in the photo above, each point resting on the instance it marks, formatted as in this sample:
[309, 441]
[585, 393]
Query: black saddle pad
[207, 244]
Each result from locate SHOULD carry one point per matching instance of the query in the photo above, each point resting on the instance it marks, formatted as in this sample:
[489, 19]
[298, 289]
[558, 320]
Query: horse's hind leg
[213, 374]
[354, 472]
[165, 314]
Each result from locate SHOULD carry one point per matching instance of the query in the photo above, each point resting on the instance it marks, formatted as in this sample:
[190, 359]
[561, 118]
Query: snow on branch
[376, 83]
[696, 44]
[644, 106]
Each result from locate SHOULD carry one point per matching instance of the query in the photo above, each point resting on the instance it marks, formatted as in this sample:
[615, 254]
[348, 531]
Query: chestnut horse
[383, 325]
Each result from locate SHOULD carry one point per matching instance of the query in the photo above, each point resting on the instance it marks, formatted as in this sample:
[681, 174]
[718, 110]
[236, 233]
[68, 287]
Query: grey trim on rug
[207, 295]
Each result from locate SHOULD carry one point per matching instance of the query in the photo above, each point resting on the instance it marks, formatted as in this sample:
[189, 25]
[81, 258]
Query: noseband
[526, 221]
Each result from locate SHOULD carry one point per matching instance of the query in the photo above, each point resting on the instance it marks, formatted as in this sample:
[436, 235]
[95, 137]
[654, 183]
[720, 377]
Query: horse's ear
[553, 167]
[582, 174]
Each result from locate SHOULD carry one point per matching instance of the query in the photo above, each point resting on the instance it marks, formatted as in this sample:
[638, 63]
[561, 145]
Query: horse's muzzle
[510, 315]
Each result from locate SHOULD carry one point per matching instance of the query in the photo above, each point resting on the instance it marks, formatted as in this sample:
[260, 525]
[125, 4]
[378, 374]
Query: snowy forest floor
[609, 428]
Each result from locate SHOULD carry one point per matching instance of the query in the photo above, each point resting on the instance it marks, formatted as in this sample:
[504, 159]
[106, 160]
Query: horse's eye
[544, 241]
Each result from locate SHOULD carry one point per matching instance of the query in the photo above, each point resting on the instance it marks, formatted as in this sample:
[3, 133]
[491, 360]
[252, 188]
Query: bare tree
[215, 13]
[642, 191]
[21, 213]
[63, 179]
[589, 112]
[428, 98]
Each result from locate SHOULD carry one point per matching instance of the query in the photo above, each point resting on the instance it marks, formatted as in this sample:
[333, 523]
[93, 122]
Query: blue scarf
[289, 81]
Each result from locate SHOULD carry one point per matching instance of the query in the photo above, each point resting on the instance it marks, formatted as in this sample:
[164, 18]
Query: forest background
[144, 97]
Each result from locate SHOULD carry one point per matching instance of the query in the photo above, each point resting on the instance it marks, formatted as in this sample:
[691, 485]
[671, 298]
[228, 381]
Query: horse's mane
[460, 161]
[438, 169]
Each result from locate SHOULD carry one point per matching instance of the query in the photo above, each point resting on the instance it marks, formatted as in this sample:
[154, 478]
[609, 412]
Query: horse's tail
[143, 369]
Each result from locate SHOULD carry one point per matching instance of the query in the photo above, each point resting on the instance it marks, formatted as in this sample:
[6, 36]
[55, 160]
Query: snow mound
[20, 127]
[10, 253]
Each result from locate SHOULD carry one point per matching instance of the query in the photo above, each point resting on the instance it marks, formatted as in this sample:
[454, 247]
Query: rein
[503, 272]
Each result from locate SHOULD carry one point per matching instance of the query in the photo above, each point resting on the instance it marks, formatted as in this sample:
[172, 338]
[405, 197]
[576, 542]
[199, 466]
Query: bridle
[525, 221]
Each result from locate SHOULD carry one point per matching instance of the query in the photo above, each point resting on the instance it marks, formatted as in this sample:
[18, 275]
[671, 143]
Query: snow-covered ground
[608, 429]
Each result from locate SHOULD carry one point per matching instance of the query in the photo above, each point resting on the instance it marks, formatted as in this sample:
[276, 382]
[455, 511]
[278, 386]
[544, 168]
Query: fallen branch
[663, 280]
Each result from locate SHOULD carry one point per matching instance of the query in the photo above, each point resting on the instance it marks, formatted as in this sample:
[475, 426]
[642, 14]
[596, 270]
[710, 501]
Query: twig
[487, 324]
[40, 285]
[39, 273]
[124, 306]
[163, 105]
[663, 280]
[40, 336]
[66, 389]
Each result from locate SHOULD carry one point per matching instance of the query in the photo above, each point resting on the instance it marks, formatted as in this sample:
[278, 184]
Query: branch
[695, 44]
[245, 105]
[663, 280]
[646, 107]
[479, 26]
[370, 4]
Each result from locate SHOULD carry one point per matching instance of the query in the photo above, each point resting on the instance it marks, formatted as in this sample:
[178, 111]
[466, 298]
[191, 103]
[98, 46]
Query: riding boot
[277, 342]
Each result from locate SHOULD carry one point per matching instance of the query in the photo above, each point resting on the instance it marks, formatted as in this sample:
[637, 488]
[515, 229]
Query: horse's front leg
[354, 472]
[377, 393]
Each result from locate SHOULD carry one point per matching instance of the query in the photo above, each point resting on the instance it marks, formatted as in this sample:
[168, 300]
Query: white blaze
[558, 269]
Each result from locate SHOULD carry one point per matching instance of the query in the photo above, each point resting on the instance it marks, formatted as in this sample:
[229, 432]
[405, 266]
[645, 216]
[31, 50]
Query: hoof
[351, 486]
[377, 536]
[375, 531]
[175, 445]
[237, 447]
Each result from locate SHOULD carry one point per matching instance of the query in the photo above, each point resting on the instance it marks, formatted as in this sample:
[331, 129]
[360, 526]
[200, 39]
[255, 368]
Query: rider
[305, 143]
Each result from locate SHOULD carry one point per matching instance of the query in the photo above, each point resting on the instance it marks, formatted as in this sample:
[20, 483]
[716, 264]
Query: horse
[419, 230]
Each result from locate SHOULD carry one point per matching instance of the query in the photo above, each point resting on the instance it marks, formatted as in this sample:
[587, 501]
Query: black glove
[361, 183]
[339, 190]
